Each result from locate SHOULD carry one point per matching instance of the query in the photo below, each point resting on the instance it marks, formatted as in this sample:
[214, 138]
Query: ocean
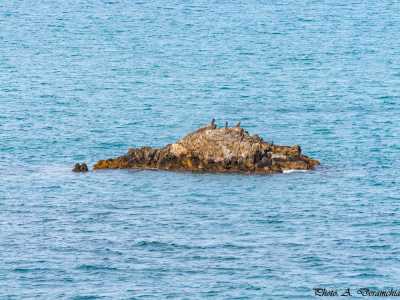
[86, 80]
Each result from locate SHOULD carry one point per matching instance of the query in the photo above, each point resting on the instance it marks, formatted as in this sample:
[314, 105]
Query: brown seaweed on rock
[212, 149]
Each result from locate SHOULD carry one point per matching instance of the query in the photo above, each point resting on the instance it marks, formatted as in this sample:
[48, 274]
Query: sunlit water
[86, 80]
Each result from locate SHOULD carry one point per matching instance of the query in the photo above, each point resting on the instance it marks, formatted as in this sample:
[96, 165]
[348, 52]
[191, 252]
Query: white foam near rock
[293, 170]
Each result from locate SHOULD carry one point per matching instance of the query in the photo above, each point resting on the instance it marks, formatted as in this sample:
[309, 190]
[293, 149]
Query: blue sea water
[86, 80]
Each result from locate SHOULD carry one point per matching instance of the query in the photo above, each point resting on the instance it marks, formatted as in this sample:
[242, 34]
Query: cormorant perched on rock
[298, 148]
[238, 124]
[226, 124]
[213, 125]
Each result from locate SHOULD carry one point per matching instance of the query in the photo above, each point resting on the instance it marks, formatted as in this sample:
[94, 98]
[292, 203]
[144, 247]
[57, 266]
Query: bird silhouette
[213, 125]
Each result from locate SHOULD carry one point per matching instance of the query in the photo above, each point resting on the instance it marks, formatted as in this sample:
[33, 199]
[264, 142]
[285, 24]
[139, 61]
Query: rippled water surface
[85, 80]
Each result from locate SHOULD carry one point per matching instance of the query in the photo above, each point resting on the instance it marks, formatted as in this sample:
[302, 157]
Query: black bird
[213, 125]
[226, 124]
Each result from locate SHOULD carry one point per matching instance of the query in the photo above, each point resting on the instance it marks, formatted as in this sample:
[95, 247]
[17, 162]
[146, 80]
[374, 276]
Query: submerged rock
[80, 167]
[215, 149]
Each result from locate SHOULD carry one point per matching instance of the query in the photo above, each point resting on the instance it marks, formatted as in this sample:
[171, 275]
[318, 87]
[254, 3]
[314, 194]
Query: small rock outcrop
[212, 149]
[80, 167]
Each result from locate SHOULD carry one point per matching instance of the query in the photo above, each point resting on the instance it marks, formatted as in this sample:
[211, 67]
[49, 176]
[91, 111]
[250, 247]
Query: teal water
[86, 80]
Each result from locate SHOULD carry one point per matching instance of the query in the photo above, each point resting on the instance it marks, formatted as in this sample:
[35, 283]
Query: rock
[215, 149]
[80, 167]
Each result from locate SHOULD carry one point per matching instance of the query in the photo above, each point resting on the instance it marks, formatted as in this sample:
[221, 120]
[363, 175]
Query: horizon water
[86, 80]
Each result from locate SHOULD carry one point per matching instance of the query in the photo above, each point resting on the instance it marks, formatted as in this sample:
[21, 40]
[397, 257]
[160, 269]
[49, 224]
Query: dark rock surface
[213, 149]
[80, 167]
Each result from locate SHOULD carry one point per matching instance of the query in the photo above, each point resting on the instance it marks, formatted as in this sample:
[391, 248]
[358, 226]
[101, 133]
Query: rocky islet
[213, 149]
